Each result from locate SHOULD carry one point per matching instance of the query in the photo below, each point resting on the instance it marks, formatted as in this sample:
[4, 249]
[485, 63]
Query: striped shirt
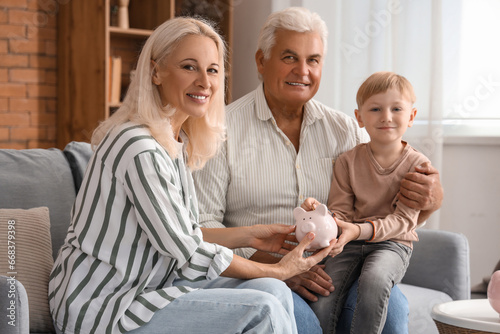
[258, 177]
[133, 231]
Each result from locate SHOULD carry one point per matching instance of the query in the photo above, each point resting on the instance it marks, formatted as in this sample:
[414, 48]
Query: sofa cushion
[421, 301]
[25, 241]
[78, 155]
[38, 177]
[440, 261]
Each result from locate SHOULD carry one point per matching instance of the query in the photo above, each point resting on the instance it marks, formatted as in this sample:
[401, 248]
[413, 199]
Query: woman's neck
[176, 122]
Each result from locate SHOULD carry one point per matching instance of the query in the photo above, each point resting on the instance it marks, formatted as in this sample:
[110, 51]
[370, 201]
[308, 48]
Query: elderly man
[281, 146]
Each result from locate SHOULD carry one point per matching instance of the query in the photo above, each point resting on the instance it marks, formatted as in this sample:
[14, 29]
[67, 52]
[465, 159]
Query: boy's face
[386, 116]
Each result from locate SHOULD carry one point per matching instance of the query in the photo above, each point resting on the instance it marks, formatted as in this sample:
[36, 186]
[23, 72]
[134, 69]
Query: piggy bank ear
[322, 210]
[297, 212]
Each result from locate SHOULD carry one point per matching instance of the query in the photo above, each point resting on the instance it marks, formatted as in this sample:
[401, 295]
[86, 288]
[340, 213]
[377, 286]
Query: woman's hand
[267, 238]
[295, 263]
[271, 238]
[350, 232]
[292, 264]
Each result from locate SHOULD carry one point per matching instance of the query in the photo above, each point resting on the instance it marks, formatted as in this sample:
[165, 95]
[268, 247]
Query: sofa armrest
[440, 261]
[14, 306]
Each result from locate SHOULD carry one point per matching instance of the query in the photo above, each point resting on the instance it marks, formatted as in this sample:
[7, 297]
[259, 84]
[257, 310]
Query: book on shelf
[115, 82]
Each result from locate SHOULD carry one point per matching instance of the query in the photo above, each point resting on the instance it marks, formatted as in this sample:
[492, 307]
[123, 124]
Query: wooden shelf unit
[87, 41]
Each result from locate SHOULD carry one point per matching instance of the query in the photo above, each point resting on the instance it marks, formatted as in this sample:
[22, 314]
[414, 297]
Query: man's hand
[422, 190]
[308, 284]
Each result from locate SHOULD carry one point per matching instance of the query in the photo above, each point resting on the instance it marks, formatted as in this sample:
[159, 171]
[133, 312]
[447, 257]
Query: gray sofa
[438, 271]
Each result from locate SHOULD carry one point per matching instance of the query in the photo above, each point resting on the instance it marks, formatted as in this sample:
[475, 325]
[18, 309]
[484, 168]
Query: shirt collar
[262, 109]
[311, 112]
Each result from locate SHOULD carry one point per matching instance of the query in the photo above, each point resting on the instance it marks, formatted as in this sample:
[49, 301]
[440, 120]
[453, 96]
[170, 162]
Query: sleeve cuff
[220, 262]
[367, 231]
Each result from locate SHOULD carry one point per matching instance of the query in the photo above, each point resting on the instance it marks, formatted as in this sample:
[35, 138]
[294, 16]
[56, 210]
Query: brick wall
[28, 73]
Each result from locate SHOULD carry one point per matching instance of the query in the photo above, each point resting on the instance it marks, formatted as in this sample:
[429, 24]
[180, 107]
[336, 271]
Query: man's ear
[358, 118]
[413, 113]
[155, 76]
[259, 60]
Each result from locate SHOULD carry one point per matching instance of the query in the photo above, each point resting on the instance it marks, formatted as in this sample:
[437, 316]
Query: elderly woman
[134, 242]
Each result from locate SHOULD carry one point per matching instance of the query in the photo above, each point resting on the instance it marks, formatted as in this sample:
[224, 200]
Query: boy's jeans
[379, 267]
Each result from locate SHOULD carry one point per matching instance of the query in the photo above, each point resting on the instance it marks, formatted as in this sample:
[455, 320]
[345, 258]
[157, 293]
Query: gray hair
[296, 19]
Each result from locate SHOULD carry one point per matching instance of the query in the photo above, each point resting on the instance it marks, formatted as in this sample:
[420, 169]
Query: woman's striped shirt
[133, 231]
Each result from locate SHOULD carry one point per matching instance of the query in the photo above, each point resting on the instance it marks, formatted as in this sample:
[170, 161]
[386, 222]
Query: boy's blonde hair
[380, 82]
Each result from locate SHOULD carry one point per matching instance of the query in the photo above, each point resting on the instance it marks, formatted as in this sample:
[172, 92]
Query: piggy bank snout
[307, 226]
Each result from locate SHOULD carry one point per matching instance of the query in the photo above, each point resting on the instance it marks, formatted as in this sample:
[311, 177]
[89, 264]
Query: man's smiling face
[292, 73]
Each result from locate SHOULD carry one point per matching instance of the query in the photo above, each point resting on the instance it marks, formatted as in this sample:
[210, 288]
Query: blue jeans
[379, 267]
[307, 322]
[397, 312]
[226, 305]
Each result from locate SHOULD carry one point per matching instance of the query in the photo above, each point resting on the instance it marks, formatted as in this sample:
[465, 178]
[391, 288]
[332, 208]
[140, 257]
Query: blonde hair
[380, 82]
[143, 104]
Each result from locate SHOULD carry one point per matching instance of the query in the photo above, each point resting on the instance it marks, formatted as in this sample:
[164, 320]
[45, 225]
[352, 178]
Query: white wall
[471, 180]
[470, 172]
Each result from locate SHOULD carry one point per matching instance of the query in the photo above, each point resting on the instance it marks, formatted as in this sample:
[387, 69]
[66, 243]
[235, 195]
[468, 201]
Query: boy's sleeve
[341, 196]
[401, 224]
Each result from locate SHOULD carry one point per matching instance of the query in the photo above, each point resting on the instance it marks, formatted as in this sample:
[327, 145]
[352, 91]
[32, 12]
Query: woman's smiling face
[189, 77]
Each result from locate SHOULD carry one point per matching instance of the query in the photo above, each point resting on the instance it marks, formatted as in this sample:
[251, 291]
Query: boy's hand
[350, 232]
[310, 204]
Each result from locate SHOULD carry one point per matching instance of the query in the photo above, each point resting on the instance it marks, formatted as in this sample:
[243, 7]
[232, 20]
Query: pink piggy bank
[319, 221]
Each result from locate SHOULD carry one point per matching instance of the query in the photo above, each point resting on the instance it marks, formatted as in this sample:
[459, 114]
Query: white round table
[466, 316]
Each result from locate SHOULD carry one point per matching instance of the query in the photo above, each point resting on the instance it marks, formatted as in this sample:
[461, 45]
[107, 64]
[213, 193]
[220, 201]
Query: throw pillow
[26, 251]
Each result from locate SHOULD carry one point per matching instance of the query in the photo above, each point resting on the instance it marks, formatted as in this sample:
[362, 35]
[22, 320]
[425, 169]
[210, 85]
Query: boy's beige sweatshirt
[363, 192]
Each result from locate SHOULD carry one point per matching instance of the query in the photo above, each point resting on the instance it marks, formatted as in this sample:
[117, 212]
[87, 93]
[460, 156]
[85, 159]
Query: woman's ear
[155, 76]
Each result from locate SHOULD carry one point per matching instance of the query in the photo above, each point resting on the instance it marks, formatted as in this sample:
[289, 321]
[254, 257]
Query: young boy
[377, 230]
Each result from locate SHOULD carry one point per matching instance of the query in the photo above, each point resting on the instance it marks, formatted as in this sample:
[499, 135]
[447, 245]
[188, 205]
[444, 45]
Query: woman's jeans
[379, 267]
[226, 305]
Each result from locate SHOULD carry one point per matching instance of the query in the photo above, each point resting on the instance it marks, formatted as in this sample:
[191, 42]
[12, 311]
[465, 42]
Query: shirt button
[301, 197]
[297, 166]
